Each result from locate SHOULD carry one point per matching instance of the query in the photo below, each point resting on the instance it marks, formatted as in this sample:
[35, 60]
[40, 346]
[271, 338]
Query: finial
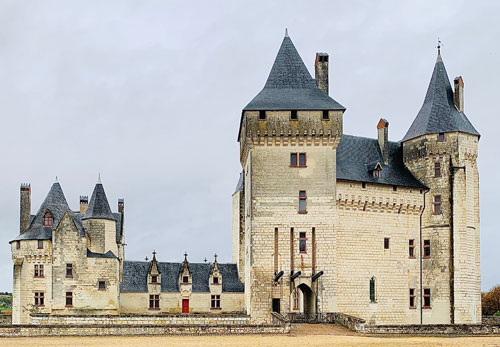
[154, 254]
[439, 45]
[215, 256]
[185, 256]
[56, 179]
[205, 259]
[99, 179]
[286, 32]
[146, 259]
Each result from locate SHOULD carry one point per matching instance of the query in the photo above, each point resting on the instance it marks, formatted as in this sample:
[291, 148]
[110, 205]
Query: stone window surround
[295, 159]
[69, 299]
[39, 299]
[38, 271]
[427, 298]
[215, 302]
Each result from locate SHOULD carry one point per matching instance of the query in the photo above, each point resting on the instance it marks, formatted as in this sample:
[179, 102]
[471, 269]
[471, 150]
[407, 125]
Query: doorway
[185, 305]
[308, 299]
[276, 305]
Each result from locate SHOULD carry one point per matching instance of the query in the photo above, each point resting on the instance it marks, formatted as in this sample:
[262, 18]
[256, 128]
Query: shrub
[490, 302]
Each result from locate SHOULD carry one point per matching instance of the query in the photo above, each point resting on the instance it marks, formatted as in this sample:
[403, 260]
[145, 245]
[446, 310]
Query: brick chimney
[321, 71]
[24, 219]
[84, 203]
[458, 95]
[383, 138]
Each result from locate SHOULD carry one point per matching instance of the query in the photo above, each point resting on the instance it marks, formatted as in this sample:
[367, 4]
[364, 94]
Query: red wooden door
[185, 305]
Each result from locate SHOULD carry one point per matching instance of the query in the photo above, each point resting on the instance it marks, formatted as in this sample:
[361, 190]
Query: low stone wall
[130, 330]
[140, 320]
[432, 330]
[491, 320]
[5, 319]
[350, 322]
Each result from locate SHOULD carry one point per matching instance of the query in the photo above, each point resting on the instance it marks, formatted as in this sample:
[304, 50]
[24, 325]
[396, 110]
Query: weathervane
[439, 45]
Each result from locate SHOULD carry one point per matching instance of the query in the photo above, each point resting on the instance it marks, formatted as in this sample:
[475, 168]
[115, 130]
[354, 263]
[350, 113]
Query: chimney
[458, 96]
[121, 205]
[321, 71]
[24, 219]
[383, 135]
[84, 203]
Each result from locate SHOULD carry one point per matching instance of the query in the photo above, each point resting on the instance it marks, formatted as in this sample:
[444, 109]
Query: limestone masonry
[323, 223]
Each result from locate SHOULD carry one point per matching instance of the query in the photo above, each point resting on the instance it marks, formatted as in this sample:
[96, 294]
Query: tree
[490, 301]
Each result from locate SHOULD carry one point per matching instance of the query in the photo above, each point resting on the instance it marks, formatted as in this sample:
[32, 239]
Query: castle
[322, 221]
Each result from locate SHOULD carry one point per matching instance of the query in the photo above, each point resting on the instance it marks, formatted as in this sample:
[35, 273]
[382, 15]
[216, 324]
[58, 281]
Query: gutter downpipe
[421, 250]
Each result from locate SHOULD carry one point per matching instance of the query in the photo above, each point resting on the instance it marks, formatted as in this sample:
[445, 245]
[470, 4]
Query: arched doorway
[308, 299]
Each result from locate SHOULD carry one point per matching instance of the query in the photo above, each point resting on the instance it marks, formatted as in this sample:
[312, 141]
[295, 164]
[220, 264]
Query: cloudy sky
[149, 94]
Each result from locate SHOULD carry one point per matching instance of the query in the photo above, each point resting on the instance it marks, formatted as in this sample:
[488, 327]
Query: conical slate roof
[290, 86]
[438, 113]
[98, 205]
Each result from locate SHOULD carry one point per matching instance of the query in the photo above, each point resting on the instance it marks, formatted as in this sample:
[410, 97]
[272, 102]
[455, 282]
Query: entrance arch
[308, 299]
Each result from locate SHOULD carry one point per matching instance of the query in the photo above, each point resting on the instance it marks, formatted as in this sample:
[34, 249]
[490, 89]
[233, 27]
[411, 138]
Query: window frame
[427, 297]
[437, 169]
[215, 303]
[327, 113]
[295, 159]
[185, 279]
[426, 249]
[39, 244]
[303, 197]
[411, 248]
[376, 173]
[441, 137]
[69, 267]
[154, 279]
[302, 241]
[154, 302]
[412, 298]
[103, 288]
[38, 271]
[215, 280]
[48, 219]
[437, 208]
[69, 296]
[39, 299]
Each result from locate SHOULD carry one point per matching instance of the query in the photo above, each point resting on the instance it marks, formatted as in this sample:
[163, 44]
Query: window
[262, 115]
[215, 302]
[441, 137]
[185, 279]
[38, 270]
[69, 298]
[427, 248]
[411, 248]
[437, 169]
[296, 299]
[427, 298]
[154, 302]
[386, 243]
[394, 188]
[326, 115]
[39, 299]
[301, 159]
[302, 243]
[363, 185]
[376, 173]
[412, 298]
[216, 280]
[154, 279]
[372, 289]
[18, 244]
[102, 285]
[437, 204]
[40, 244]
[293, 115]
[69, 270]
[302, 201]
[47, 219]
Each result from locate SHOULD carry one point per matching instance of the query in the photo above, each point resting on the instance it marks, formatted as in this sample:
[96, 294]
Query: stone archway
[308, 299]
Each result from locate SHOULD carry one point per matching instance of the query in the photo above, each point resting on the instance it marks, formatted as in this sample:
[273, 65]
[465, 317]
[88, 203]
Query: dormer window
[185, 279]
[154, 279]
[47, 219]
[376, 173]
[216, 280]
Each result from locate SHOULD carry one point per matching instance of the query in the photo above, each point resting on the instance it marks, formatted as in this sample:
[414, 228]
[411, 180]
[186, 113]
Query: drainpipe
[421, 269]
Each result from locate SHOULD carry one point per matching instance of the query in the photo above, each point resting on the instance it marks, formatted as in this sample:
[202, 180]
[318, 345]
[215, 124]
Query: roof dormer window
[376, 173]
[48, 219]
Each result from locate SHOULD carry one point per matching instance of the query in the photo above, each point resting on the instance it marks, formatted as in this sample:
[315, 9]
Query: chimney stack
[24, 220]
[321, 71]
[121, 205]
[383, 138]
[458, 95]
[84, 203]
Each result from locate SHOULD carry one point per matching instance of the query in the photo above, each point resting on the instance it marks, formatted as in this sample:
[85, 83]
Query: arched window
[47, 219]
[372, 289]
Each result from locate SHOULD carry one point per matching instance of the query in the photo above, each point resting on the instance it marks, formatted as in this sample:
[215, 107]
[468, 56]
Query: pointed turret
[439, 113]
[98, 206]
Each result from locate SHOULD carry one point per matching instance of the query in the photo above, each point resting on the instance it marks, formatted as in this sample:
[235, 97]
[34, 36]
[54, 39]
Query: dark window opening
[412, 298]
[411, 248]
[18, 244]
[47, 219]
[39, 299]
[437, 204]
[69, 298]
[185, 279]
[102, 285]
[326, 115]
[394, 188]
[427, 298]
[293, 115]
[216, 280]
[154, 302]
[215, 302]
[302, 201]
[441, 137]
[276, 305]
[427, 248]
[437, 169]
[376, 173]
[40, 244]
[69, 270]
[372, 289]
[302, 243]
[262, 115]
[363, 185]
[386, 243]
[293, 159]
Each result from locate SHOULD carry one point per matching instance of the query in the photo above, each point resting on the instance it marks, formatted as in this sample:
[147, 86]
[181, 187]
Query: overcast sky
[149, 94]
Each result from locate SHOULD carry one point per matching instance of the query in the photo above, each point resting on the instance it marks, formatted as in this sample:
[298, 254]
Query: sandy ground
[307, 335]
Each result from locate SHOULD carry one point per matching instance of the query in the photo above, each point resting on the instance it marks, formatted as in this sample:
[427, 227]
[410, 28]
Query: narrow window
[372, 289]
[36, 271]
[102, 285]
[47, 219]
[40, 244]
[411, 248]
[18, 244]
[69, 299]
[302, 201]
[437, 169]
[412, 298]
[394, 188]
[185, 279]
[441, 137]
[69, 270]
[293, 159]
[302, 159]
[363, 185]
[154, 302]
[326, 115]
[386, 243]
[437, 204]
[302, 243]
[154, 279]
[293, 115]
[216, 280]
[427, 298]
[427, 248]
[39, 299]
[275, 250]
[376, 173]
[215, 302]
[296, 299]
[262, 115]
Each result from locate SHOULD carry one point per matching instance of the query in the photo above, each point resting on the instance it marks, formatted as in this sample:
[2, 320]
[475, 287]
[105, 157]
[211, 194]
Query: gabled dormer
[375, 168]
[185, 276]
[154, 276]
[215, 278]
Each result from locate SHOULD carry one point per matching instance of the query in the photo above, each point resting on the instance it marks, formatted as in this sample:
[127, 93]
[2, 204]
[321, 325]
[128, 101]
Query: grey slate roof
[357, 156]
[118, 218]
[108, 254]
[98, 205]
[135, 275]
[438, 113]
[290, 86]
[241, 182]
